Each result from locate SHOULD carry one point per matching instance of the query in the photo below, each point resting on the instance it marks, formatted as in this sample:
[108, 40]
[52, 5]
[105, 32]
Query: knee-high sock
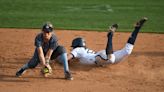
[64, 60]
[133, 36]
[23, 68]
[109, 47]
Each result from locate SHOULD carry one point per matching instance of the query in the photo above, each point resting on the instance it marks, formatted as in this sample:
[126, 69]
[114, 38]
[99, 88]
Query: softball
[45, 70]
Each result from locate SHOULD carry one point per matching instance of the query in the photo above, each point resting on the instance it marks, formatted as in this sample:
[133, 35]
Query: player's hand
[49, 68]
[46, 71]
[47, 65]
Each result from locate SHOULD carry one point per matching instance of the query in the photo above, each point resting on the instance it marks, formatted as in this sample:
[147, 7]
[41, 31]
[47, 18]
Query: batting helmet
[48, 27]
[78, 42]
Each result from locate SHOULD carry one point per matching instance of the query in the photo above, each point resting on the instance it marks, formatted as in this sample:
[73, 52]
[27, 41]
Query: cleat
[141, 22]
[113, 28]
[68, 76]
[19, 73]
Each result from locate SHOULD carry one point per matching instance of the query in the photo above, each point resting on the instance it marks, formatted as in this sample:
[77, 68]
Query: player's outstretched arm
[69, 56]
[41, 55]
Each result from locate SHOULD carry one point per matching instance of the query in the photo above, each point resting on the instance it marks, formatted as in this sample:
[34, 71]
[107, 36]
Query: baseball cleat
[113, 28]
[68, 76]
[141, 22]
[19, 73]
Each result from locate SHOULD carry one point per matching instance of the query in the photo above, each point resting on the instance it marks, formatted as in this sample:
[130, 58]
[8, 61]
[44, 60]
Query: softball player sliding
[107, 56]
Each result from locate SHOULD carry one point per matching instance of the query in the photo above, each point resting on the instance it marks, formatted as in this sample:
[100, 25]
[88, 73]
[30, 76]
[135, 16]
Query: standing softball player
[107, 56]
[47, 49]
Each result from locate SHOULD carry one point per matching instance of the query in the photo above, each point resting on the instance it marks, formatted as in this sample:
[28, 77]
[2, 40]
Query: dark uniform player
[47, 48]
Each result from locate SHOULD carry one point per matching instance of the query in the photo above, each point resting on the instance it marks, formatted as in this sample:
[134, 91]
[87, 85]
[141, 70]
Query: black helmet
[78, 42]
[48, 27]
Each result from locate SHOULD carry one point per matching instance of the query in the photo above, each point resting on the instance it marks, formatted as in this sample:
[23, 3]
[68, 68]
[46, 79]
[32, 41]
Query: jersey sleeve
[53, 43]
[76, 53]
[38, 40]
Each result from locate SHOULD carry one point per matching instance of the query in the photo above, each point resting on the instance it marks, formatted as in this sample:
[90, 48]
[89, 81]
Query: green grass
[82, 14]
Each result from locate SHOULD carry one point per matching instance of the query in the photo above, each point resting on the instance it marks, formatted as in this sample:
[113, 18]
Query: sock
[109, 47]
[25, 66]
[63, 59]
[133, 36]
[21, 70]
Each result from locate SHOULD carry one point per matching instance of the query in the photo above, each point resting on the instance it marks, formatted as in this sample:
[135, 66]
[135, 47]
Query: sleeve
[53, 43]
[76, 53]
[38, 41]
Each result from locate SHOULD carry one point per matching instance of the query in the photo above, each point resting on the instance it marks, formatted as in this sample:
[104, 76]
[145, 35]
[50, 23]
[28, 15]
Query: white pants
[118, 55]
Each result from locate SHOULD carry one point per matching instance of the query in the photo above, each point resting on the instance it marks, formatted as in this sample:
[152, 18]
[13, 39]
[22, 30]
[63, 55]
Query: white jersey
[84, 55]
[87, 56]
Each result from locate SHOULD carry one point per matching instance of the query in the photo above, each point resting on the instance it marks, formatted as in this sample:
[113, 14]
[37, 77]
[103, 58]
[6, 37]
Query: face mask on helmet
[48, 27]
[78, 42]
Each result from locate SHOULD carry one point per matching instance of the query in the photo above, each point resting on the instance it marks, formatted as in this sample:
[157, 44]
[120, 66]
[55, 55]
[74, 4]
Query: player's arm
[48, 55]
[74, 54]
[47, 59]
[69, 56]
[41, 55]
[38, 44]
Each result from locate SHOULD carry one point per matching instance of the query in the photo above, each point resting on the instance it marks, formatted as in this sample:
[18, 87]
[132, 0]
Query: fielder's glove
[46, 72]
[47, 65]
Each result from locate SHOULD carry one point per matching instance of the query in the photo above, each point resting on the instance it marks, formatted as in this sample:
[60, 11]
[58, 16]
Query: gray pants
[34, 61]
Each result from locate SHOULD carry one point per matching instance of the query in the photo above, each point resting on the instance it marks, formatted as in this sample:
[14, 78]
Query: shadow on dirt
[11, 78]
[149, 53]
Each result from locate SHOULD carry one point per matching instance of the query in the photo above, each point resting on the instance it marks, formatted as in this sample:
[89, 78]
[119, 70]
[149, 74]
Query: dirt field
[142, 71]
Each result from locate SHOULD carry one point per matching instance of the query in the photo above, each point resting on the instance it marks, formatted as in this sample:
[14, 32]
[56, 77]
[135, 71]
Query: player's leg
[131, 41]
[61, 55]
[137, 28]
[31, 64]
[109, 46]
[121, 54]
[106, 56]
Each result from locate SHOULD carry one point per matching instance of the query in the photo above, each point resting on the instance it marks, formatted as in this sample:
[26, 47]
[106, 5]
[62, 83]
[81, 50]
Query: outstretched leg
[106, 56]
[134, 34]
[123, 53]
[61, 55]
[34, 61]
[117, 56]
[109, 46]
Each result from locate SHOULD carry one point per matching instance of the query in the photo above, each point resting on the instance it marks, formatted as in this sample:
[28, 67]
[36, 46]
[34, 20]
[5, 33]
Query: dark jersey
[52, 44]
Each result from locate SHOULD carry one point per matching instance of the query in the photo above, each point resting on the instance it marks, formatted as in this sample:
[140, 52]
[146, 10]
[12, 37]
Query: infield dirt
[142, 71]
